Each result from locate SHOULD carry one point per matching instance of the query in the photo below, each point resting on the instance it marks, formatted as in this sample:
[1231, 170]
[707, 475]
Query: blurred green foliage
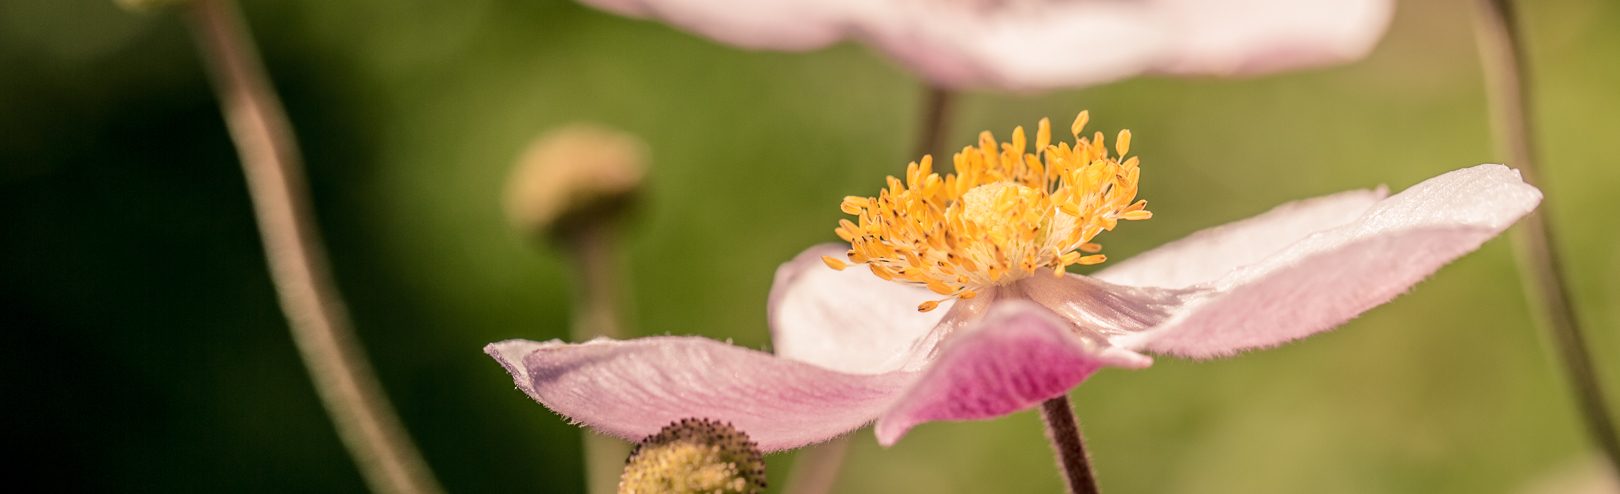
[145, 352]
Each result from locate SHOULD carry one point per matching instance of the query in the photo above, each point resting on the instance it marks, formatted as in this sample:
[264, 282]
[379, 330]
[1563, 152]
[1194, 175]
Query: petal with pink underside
[1018, 47]
[630, 389]
[1208, 254]
[1331, 276]
[760, 24]
[850, 320]
[1018, 356]
[1246, 37]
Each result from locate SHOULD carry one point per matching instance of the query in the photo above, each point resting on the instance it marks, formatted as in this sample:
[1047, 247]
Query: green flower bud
[694, 456]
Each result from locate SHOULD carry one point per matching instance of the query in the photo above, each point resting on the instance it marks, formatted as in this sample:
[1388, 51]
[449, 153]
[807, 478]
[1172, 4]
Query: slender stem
[592, 244]
[594, 249]
[816, 469]
[319, 322]
[938, 103]
[1064, 432]
[1502, 51]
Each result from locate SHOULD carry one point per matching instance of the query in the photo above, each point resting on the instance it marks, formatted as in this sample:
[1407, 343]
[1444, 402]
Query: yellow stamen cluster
[1005, 214]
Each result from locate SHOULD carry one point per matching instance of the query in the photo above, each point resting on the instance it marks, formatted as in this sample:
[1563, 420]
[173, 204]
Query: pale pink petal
[1104, 309]
[850, 320]
[630, 389]
[1333, 275]
[1213, 252]
[1017, 47]
[791, 25]
[1018, 356]
[1230, 37]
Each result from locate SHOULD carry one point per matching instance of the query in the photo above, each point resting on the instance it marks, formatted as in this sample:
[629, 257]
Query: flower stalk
[319, 323]
[938, 103]
[1502, 52]
[1064, 433]
[594, 250]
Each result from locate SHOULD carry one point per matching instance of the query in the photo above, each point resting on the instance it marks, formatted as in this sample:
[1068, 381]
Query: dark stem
[1064, 432]
[1502, 52]
[319, 323]
[936, 116]
[592, 245]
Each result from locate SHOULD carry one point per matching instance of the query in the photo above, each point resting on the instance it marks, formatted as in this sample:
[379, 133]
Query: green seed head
[694, 456]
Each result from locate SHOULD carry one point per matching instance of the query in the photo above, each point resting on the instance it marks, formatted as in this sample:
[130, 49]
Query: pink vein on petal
[1018, 356]
[630, 389]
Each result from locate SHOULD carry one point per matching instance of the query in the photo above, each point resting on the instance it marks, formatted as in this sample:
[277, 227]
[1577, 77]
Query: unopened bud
[573, 175]
[694, 456]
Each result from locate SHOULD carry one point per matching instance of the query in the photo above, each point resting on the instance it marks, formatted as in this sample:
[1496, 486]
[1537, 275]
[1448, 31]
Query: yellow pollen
[1006, 213]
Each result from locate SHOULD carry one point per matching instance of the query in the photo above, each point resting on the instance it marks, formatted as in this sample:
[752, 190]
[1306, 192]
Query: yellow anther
[1006, 213]
[1043, 135]
[853, 204]
[834, 263]
[927, 306]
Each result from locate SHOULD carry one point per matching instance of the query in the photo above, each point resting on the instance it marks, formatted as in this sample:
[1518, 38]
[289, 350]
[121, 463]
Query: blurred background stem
[938, 104]
[1064, 432]
[593, 248]
[359, 410]
[815, 470]
[1502, 53]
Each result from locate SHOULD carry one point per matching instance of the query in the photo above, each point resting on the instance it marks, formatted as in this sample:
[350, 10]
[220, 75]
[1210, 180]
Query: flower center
[1005, 214]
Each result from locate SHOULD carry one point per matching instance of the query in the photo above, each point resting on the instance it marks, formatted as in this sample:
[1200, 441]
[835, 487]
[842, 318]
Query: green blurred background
[144, 350]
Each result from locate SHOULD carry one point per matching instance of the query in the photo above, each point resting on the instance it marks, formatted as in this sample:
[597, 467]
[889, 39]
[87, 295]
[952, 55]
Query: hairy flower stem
[938, 104]
[1064, 432]
[1502, 52]
[320, 328]
[593, 247]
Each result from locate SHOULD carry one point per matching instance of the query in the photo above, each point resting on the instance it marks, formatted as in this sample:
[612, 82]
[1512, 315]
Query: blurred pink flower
[1034, 44]
[852, 348]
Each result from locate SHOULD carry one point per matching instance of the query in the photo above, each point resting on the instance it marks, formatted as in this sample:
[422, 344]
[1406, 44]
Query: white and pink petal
[1019, 355]
[1328, 277]
[849, 320]
[630, 389]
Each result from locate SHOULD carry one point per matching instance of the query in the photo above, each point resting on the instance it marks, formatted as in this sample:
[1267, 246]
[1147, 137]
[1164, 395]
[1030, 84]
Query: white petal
[1213, 252]
[791, 25]
[1333, 275]
[1230, 37]
[1017, 47]
[1104, 309]
[850, 320]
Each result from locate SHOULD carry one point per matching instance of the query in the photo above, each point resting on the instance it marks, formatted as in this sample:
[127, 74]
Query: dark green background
[144, 350]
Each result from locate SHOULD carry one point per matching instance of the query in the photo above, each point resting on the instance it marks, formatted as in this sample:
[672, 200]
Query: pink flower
[1045, 44]
[989, 245]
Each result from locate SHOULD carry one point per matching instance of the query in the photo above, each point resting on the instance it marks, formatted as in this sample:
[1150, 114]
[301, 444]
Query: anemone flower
[1045, 44]
[965, 309]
